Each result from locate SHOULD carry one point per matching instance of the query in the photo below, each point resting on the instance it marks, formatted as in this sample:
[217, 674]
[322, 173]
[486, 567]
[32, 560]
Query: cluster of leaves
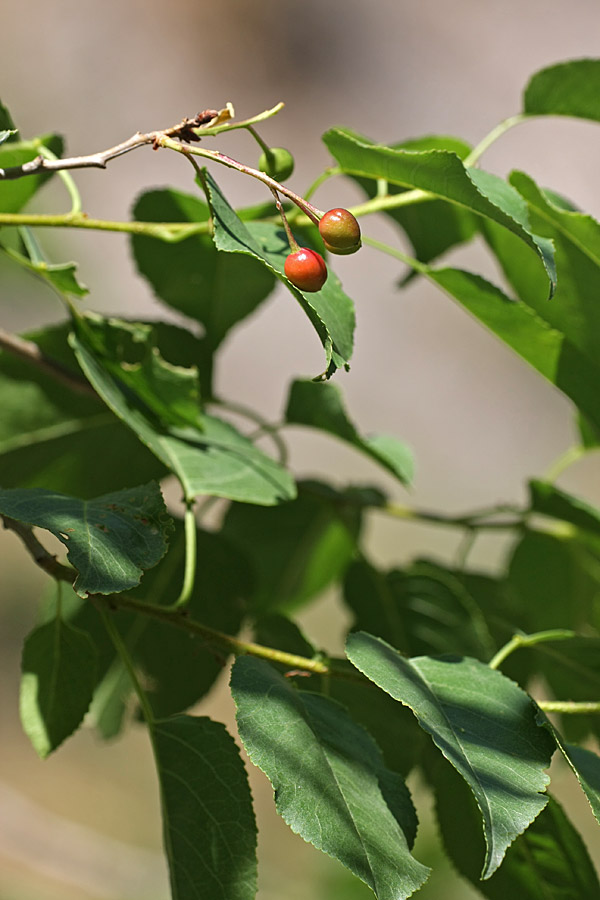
[83, 453]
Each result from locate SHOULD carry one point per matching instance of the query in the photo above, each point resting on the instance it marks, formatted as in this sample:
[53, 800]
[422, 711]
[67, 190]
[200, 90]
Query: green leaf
[576, 237]
[208, 820]
[181, 668]
[589, 434]
[566, 89]
[59, 674]
[435, 226]
[53, 436]
[6, 121]
[5, 134]
[572, 670]
[320, 405]
[442, 173]
[548, 584]
[296, 549]
[216, 289]
[330, 783]
[548, 860]
[14, 194]
[218, 460]
[330, 311]
[422, 609]
[549, 500]
[60, 276]
[482, 722]
[130, 353]
[586, 766]
[519, 326]
[110, 540]
[112, 684]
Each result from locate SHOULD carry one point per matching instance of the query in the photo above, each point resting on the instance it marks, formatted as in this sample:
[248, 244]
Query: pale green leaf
[110, 540]
[481, 721]
[442, 174]
[330, 782]
[566, 89]
[58, 679]
[208, 820]
[518, 325]
[320, 405]
[61, 276]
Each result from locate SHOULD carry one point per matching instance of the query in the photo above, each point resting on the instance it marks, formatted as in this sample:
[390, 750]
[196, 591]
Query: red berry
[340, 231]
[306, 270]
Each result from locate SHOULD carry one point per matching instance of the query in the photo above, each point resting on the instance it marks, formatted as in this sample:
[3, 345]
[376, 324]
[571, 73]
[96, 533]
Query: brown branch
[38, 552]
[31, 353]
[184, 131]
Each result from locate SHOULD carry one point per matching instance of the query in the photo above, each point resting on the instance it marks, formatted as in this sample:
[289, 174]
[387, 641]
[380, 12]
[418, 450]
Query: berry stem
[262, 144]
[294, 246]
[313, 213]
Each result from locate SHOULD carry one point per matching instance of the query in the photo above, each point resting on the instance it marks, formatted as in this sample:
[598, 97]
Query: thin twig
[184, 130]
[31, 353]
[38, 552]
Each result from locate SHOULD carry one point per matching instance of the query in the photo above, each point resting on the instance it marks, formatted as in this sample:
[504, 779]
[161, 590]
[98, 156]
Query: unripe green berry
[340, 231]
[306, 270]
[278, 163]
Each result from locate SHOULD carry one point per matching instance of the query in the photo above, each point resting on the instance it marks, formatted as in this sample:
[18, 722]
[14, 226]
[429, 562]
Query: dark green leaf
[214, 288]
[55, 437]
[589, 434]
[542, 346]
[549, 500]
[217, 460]
[112, 685]
[482, 722]
[566, 89]
[296, 549]
[330, 782]
[14, 194]
[182, 667]
[110, 540]
[59, 674]
[275, 630]
[330, 311]
[394, 727]
[572, 669]
[208, 820]
[548, 584]
[442, 174]
[320, 405]
[6, 122]
[422, 609]
[549, 860]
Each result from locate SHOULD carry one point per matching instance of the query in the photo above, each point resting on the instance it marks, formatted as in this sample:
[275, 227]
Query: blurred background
[85, 824]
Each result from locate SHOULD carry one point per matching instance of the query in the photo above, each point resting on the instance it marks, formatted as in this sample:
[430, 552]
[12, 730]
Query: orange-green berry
[340, 231]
